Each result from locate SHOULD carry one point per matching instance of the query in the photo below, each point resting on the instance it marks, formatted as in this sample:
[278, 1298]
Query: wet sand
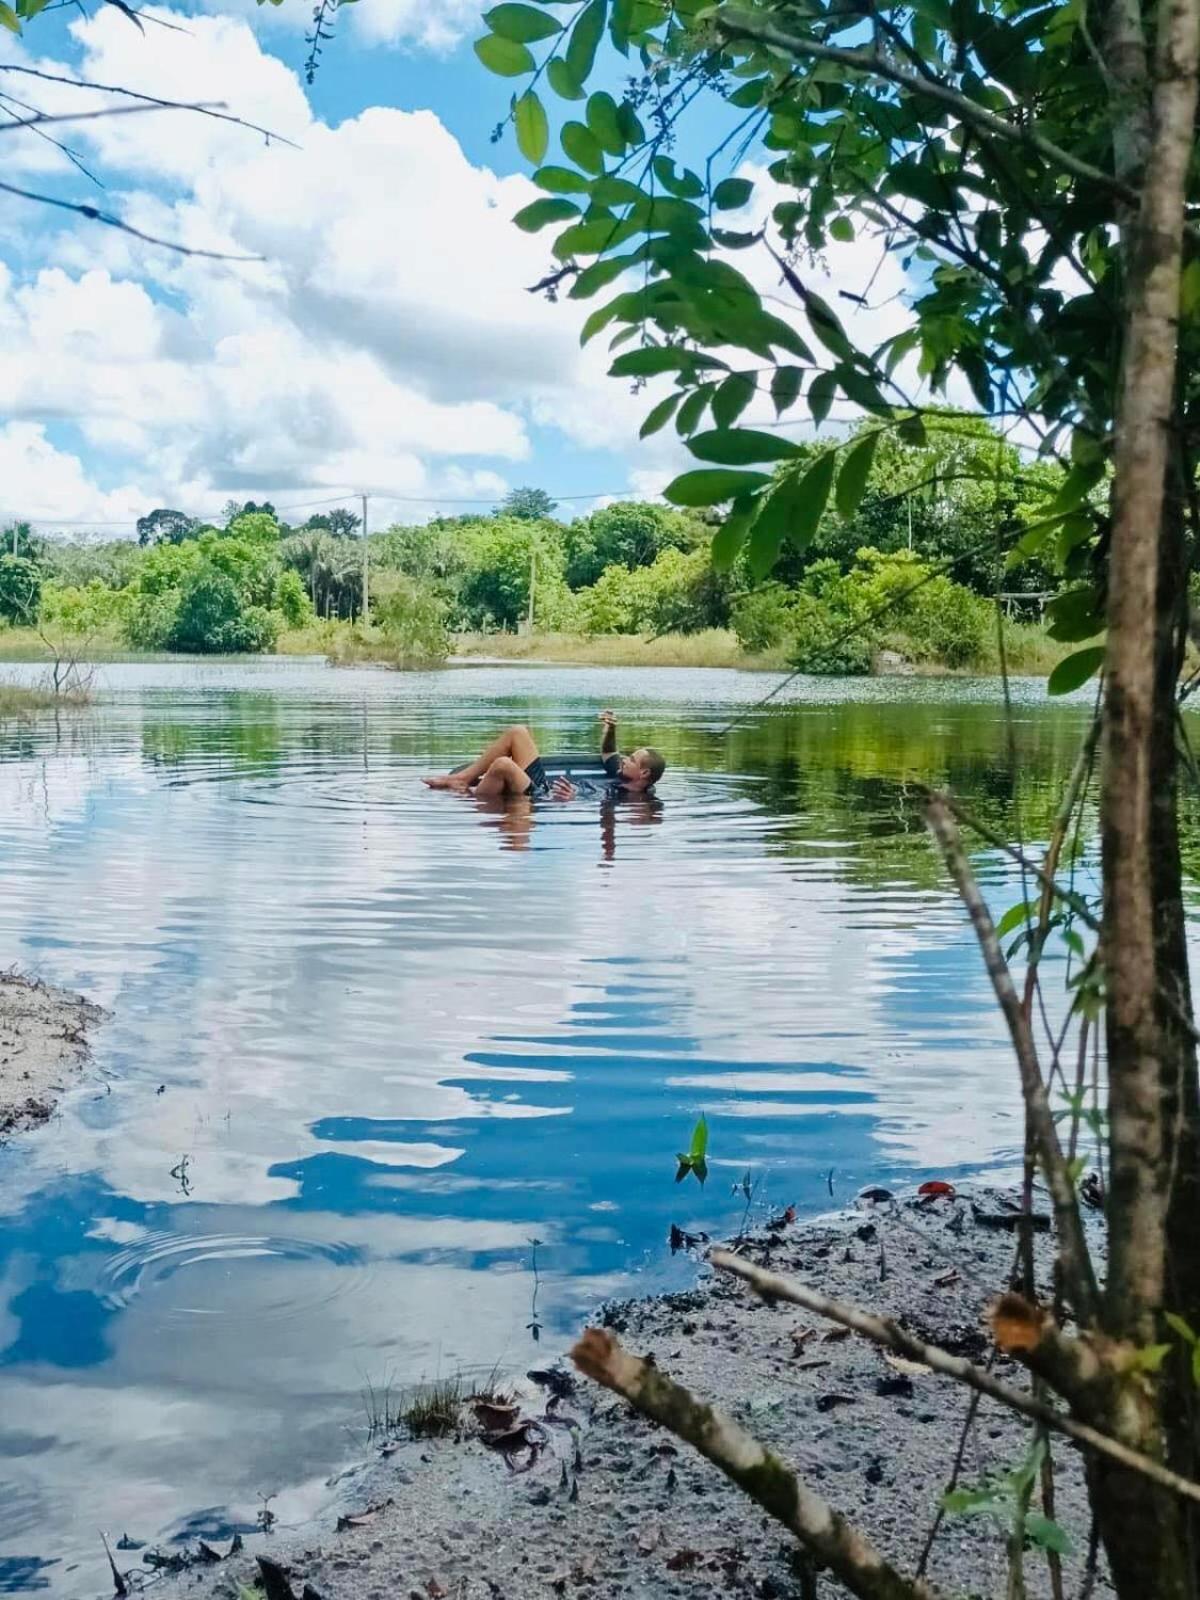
[43, 1048]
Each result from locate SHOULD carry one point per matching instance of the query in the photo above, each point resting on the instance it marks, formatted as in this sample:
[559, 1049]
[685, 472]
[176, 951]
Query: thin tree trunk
[1144, 1532]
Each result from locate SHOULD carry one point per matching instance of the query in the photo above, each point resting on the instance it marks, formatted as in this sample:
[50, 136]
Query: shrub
[291, 599]
[412, 616]
[765, 617]
[20, 589]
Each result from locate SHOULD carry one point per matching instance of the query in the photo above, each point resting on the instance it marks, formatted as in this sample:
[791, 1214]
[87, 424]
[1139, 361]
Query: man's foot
[449, 780]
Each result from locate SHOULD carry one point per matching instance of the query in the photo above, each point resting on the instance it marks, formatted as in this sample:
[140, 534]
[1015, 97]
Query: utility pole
[366, 598]
[532, 578]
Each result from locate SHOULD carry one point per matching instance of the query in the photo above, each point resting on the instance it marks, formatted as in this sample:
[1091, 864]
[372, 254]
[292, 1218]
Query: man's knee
[518, 730]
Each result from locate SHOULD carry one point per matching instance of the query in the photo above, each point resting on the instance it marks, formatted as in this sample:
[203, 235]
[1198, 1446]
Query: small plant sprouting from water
[748, 1187]
[695, 1158]
[266, 1517]
[180, 1174]
[534, 1326]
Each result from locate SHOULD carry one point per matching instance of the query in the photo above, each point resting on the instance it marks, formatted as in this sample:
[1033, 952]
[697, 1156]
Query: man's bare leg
[515, 743]
[504, 777]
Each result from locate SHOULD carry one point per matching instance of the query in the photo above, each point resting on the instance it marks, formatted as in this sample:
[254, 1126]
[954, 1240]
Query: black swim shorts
[539, 778]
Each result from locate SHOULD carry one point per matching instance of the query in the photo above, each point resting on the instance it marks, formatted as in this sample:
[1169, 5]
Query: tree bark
[1144, 1532]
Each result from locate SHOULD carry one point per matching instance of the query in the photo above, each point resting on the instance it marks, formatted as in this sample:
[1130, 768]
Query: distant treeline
[946, 513]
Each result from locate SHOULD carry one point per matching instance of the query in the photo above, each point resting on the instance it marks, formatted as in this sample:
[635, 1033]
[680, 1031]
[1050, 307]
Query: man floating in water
[511, 765]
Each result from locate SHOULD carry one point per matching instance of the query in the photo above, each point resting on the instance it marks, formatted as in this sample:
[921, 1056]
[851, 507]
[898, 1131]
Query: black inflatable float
[585, 766]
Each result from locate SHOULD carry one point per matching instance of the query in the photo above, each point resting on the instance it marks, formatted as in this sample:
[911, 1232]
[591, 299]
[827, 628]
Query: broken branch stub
[749, 1464]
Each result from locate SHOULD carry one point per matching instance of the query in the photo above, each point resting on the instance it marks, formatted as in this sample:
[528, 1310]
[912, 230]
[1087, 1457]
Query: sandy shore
[43, 1046]
[612, 1506]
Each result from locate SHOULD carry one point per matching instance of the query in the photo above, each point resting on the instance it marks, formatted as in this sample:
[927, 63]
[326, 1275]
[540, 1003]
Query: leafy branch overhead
[958, 138]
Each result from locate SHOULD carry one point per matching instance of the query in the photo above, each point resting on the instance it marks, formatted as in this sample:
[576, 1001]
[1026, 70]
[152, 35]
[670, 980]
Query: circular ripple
[147, 1266]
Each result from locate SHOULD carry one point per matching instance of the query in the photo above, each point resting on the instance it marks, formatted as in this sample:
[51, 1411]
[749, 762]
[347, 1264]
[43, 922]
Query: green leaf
[842, 229]
[739, 447]
[585, 36]
[561, 180]
[1184, 1329]
[1078, 484]
[731, 535]
[660, 415]
[505, 57]
[1196, 1365]
[1075, 670]
[533, 129]
[620, 24]
[792, 511]
[861, 389]
[615, 191]
[785, 387]
[712, 486]
[699, 1146]
[732, 193]
[1075, 615]
[1025, 911]
[524, 24]
[563, 81]
[686, 185]
[1046, 1533]
[598, 276]
[732, 398]
[856, 469]
[820, 396]
[1150, 1357]
[911, 430]
[1189, 290]
[603, 121]
[650, 361]
[582, 147]
[631, 128]
[692, 409]
[917, 182]
[9, 18]
[540, 213]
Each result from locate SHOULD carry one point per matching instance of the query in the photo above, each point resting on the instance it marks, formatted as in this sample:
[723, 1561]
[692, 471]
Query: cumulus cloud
[384, 338]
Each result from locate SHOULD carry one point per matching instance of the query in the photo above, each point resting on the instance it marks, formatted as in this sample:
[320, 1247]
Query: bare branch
[1076, 1259]
[41, 118]
[93, 214]
[146, 99]
[757, 1470]
[883, 1331]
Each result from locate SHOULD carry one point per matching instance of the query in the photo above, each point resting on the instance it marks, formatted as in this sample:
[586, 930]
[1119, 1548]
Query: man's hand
[609, 718]
[563, 789]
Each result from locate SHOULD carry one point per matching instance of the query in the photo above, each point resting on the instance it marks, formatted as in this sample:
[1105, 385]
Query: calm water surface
[367, 1044]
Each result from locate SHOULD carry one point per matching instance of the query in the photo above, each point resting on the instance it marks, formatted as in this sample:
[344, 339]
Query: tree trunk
[1145, 1532]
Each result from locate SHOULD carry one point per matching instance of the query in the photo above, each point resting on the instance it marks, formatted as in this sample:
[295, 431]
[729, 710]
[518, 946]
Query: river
[369, 1044]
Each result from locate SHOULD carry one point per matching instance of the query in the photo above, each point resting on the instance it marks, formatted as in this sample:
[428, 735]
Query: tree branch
[146, 99]
[888, 1334]
[745, 25]
[757, 1470]
[1076, 1259]
[95, 215]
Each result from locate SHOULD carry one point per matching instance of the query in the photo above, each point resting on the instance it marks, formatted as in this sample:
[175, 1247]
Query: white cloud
[39, 478]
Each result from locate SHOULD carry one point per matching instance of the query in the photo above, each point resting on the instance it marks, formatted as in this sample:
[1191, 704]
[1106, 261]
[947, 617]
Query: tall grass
[18, 701]
[715, 647]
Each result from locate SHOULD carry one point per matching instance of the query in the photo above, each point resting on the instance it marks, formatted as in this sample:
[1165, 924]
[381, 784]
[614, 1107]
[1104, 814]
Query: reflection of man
[511, 765]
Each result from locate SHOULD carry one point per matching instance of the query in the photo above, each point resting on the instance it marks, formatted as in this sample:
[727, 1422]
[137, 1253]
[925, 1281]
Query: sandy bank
[43, 1045]
[613, 1507]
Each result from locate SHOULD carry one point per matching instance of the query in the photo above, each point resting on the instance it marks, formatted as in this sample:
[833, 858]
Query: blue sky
[386, 342]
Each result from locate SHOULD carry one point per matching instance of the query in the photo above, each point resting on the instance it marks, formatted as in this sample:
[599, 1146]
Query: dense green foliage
[934, 519]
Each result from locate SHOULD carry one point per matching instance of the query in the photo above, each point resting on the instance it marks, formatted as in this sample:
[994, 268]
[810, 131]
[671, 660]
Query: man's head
[642, 769]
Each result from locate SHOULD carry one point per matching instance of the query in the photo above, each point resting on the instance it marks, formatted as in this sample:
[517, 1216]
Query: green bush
[822, 641]
[291, 599]
[412, 617]
[765, 617]
[20, 590]
[678, 593]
